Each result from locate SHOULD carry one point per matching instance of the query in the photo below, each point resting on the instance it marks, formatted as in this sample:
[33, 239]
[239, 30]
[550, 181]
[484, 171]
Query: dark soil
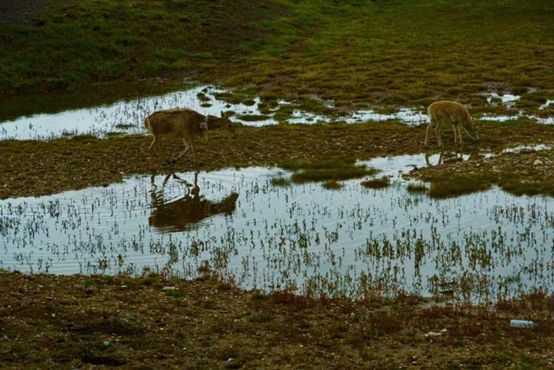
[98, 322]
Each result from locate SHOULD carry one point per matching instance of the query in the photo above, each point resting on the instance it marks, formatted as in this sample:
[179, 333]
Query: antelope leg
[427, 134]
[438, 135]
[152, 144]
[187, 146]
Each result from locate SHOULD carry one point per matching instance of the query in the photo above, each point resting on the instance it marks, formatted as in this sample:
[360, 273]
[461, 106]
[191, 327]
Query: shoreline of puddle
[127, 116]
[478, 247]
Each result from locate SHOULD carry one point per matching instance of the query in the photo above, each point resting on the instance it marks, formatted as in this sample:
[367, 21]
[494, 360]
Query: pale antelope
[184, 123]
[443, 113]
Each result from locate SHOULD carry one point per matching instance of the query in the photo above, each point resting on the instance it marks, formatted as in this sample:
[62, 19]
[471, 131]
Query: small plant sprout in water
[417, 188]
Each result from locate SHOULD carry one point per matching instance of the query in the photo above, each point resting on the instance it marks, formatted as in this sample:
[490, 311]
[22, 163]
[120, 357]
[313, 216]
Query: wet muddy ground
[482, 215]
[471, 248]
[84, 322]
[37, 168]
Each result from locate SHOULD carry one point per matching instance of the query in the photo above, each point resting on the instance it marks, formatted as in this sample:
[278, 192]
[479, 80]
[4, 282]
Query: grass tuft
[332, 185]
[454, 185]
[381, 183]
[417, 188]
[280, 181]
[329, 169]
[326, 174]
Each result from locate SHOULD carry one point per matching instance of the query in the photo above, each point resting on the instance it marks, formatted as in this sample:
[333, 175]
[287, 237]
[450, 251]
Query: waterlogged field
[123, 116]
[127, 116]
[351, 241]
[124, 265]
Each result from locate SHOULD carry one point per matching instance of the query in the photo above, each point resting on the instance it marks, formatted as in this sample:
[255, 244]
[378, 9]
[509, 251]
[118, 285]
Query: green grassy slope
[402, 52]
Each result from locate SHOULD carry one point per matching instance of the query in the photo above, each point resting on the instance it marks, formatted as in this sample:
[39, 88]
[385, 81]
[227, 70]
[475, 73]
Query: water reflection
[187, 211]
[349, 241]
[127, 116]
[434, 158]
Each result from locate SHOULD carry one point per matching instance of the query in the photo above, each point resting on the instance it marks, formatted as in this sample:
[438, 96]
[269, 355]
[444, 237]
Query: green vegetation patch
[452, 185]
[332, 169]
[280, 181]
[518, 185]
[380, 53]
[380, 183]
[345, 173]
[332, 185]
[417, 188]
[126, 41]
[253, 117]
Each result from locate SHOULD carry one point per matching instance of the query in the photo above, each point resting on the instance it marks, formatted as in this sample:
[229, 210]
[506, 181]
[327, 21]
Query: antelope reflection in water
[445, 157]
[186, 212]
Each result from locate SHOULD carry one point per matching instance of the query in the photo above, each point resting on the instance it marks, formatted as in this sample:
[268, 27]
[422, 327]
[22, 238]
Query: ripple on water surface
[347, 241]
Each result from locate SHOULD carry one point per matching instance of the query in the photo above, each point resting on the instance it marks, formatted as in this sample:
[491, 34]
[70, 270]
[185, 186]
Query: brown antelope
[184, 123]
[443, 113]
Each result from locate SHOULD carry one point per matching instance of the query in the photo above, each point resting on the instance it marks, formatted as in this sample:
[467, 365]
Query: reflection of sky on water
[275, 237]
[128, 116]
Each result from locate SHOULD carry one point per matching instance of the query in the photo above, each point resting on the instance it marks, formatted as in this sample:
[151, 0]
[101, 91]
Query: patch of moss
[253, 117]
[345, 173]
[280, 181]
[454, 185]
[332, 185]
[514, 184]
[417, 188]
[202, 97]
[380, 183]
[329, 169]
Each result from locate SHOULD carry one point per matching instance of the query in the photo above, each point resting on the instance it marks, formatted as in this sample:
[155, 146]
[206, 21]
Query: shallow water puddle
[547, 104]
[127, 116]
[123, 116]
[346, 241]
[527, 148]
[405, 115]
[509, 101]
